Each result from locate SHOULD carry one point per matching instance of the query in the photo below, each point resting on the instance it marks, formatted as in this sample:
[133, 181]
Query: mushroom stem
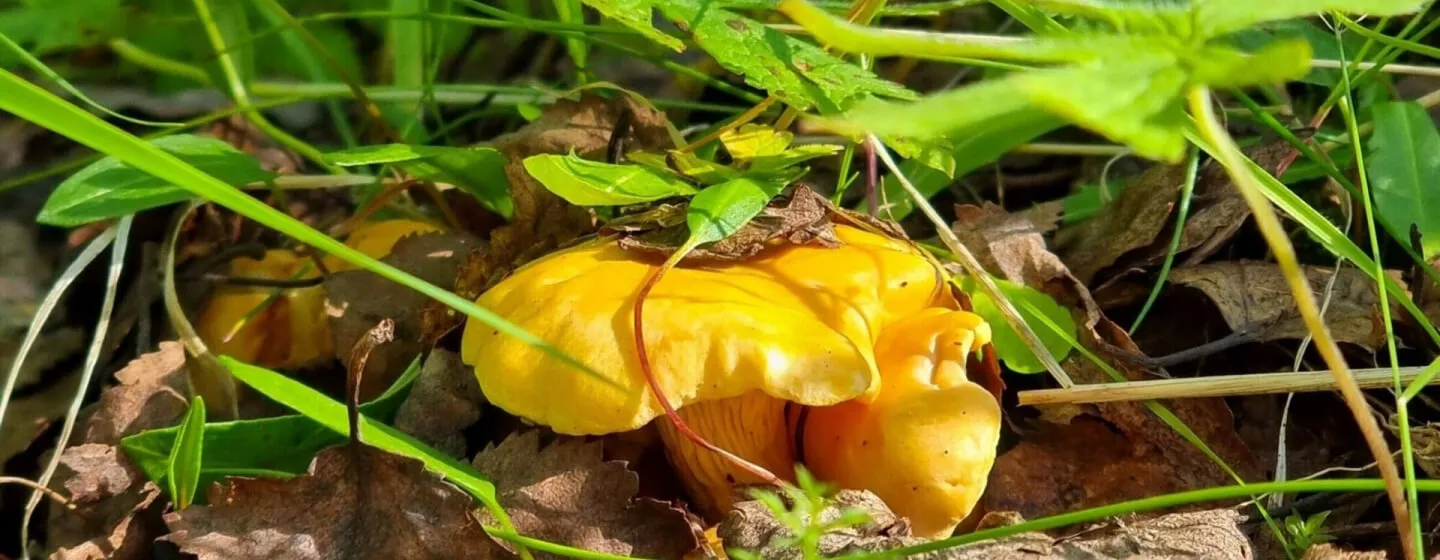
[679, 423]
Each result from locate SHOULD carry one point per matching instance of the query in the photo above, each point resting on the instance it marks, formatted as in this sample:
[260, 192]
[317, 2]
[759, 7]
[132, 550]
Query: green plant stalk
[1402, 412]
[556, 549]
[29, 102]
[316, 72]
[242, 98]
[405, 39]
[1235, 162]
[146, 59]
[1149, 504]
[1387, 55]
[1192, 171]
[1332, 172]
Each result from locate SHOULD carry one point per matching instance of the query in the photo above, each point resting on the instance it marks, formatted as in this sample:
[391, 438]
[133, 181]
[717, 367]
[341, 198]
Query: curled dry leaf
[566, 493]
[357, 299]
[1254, 296]
[117, 513]
[801, 217]
[151, 394]
[1327, 551]
[444, 400]
[1137, 225]
[356, 502]
[543, 221]
[751, 526]
[1012, 245]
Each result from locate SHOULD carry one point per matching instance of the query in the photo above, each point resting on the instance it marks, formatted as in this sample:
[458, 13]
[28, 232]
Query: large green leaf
[278, 446]
[1275, 63]
[1404, 172]
[1134, 100]
[796, 72]
[479, 171]
[1010, 348]
[1218, 17]
[636, 15]
[109, 189]
[591, 183]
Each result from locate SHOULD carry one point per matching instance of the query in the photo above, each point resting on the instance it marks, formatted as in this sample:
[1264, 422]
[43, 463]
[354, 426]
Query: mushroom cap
[796, 322]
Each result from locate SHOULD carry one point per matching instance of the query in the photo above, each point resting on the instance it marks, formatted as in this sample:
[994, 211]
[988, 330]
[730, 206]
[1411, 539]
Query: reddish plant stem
[654, 384]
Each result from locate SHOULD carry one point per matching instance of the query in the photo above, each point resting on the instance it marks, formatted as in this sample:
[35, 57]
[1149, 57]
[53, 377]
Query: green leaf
[1404, 172]
[109, 188]
[183, 468]
[792, 157]
[935, 153]
[1088, 200]
[1323, 44]
[719, 211]
[1134, 100]
[703, 170]
[636, 15]
[1218, 17]
[591, 183]
[332, 414]
[278, 446]
[1275, 63]
[794, 71]
[1009, 347]
[937, 116]
[46, 26]
[479, 171]
[753, 140]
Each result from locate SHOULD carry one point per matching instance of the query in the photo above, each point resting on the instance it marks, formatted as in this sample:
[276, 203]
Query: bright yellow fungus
[287, 328]
[850, 360]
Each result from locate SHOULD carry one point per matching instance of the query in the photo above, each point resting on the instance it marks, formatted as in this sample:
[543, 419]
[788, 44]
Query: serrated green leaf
[1404, 172]
[109, 188]
[935, 153]
[723, 209]
[1323, 44]
[479, 171]
[1009, 347]
[591, 183]
[1275, 63]
[1135, 101]
[183, 468]
[792, 70]
[636, 15]
[753, 140]
[933, 117]
[1218, 17]
[278, 446]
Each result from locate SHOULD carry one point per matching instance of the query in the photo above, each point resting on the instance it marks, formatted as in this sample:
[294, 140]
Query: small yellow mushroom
[286, 328]
[850, 360]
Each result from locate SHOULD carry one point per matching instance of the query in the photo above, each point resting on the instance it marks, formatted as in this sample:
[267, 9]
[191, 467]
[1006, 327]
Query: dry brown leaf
[1203, 535]
[802, 217]
[444, 400]
[1012, 246]
[117, 512]
[151, 394]
[1327, 551]
[356, 502]
[240, 132]
[357, 299]
[1255, 296]
[566, 493]
[1137, 223]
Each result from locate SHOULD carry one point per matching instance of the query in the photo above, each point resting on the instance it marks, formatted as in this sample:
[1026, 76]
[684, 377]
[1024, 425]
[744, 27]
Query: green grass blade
[38, 66]
[36, 105]
[1192, 169]
[406, 40]
[183, 467]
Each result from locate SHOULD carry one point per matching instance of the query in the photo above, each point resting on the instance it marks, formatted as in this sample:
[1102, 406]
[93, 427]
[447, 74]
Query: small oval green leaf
[1009, 347]
[109, 189]
[479, 171]
[723, 209]
[184, 465]
[591, 183]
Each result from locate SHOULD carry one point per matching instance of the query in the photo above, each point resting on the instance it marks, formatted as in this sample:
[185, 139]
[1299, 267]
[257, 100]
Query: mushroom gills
[752, 426]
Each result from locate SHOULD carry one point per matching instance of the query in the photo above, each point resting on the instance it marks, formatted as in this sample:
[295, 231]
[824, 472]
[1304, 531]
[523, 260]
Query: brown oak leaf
[356, 502]
[801, 217]
[151, 394]
[117, 513]
[566, 493]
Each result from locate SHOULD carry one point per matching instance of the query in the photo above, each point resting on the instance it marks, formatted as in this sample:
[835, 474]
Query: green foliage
[1032, 305]
[1403, 167]
[478, 171]
[182, 472]
[278, 446]
[592, 183]
[47, 26]
[1305, 533]
[792, 70]
[802, 515]
[637, 15]
[722, 209]
[109, 188]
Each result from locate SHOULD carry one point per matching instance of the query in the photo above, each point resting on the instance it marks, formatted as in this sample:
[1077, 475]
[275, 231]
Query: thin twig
[58, 497]
[1212, 386]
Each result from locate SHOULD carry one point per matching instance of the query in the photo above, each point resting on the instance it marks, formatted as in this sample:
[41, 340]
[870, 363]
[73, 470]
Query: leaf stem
[1234, 162]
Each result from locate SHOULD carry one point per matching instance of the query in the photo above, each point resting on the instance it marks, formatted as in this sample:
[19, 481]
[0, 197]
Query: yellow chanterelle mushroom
[291, 330]
[850, 360]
